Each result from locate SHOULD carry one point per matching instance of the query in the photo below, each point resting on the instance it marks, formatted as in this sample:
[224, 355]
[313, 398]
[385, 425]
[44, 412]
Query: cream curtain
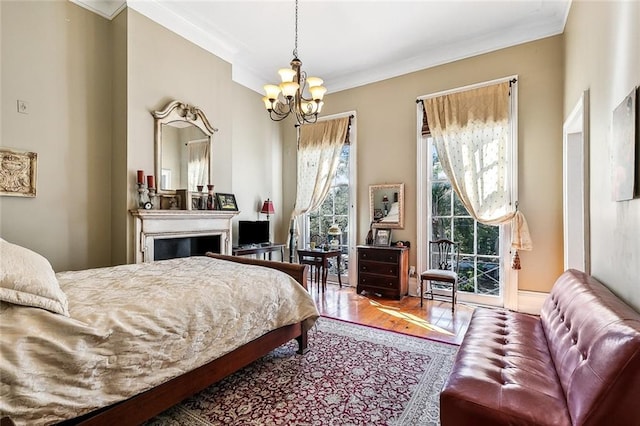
[470, 131]
[198, 167]
[318, 156]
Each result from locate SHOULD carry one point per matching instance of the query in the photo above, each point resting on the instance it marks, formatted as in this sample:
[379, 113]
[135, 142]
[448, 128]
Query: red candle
[140, 176]
[150, 183]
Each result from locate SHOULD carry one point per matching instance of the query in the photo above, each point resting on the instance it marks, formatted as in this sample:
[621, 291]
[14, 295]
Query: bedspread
[133, 327]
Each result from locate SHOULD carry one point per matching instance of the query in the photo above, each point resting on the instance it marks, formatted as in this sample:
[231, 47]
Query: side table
[319, 259]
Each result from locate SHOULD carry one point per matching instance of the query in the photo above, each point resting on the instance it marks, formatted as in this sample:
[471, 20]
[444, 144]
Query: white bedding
[132, 327]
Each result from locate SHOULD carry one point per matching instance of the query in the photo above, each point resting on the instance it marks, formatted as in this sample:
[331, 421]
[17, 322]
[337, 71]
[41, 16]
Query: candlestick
[150, 182]
[210, 202]
[140, 176]
[143, 197]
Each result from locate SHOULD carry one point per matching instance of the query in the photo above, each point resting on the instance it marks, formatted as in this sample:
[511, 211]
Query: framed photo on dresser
[382, 238]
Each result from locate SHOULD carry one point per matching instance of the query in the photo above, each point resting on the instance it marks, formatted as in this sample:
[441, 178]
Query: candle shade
[141, 176]
[150, 182]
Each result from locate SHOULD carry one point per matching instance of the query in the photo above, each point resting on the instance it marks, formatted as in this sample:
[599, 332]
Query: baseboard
[530, 302]
[413, 286]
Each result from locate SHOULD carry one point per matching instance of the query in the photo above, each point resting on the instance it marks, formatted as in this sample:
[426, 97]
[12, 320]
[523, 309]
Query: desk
[320, 260]
[243, 251]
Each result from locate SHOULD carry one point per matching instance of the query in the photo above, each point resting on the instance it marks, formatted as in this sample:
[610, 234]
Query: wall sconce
[267, 208]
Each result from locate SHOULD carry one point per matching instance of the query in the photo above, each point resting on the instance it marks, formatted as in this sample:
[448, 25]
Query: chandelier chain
[295, 46]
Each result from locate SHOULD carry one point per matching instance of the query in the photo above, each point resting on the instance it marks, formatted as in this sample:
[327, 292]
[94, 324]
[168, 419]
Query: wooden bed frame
[146, 405]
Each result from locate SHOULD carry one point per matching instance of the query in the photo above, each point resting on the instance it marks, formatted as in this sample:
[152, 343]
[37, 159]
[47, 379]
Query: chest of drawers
[383, 270]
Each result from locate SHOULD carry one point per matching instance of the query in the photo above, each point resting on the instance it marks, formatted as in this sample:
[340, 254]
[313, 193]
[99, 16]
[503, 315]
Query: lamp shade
[334, 230]
[287, 74]
[267, 207]
[272, 91]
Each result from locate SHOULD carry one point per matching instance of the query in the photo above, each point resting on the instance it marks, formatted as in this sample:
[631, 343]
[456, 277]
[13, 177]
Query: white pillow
[27, 278]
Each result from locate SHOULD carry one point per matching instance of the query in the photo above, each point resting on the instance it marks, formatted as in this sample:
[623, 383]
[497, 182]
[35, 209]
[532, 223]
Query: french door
[485, 275]
[339, 209]
[479, 274]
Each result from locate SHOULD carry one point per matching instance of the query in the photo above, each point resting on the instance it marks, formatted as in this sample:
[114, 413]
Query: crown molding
[106, 8]
[246, 74]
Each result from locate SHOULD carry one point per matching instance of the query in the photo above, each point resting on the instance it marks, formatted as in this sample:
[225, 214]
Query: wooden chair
[444, 260]
[316, 266]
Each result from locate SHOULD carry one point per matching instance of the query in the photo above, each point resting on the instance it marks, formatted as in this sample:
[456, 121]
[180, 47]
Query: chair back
[444, 255]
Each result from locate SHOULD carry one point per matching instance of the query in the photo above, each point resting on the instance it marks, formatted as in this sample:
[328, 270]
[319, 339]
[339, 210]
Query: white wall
[91, 85]
[602, 54]
[56, 56]
[387, 142]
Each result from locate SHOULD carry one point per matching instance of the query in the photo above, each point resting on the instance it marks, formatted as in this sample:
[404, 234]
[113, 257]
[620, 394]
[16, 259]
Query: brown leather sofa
[576, 364]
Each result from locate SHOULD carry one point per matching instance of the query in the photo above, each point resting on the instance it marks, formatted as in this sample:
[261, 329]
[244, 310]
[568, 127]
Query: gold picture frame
[18, 173]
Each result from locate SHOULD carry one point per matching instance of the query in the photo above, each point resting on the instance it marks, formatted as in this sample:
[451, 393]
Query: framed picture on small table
[382, 237]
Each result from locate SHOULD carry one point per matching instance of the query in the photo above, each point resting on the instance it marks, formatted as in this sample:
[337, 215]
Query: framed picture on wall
[382, 237]
[226, 201]
[18, 172]
[623, 149]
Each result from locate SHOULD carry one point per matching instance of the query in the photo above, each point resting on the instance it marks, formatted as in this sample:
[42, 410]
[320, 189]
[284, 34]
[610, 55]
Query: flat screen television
[253, 232]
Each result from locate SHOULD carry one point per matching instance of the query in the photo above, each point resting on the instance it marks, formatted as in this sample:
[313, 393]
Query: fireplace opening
[171, 248]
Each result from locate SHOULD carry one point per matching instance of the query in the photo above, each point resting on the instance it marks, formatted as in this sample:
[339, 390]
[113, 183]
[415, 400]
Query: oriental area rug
[352, 375]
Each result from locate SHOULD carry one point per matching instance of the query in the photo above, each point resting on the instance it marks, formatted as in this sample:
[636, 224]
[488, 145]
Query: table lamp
[385, 201]
[334, 231]
[267, 208]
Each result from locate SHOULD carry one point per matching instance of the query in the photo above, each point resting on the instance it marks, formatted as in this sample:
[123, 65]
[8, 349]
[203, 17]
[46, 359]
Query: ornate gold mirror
[183, 142]
[386, 206]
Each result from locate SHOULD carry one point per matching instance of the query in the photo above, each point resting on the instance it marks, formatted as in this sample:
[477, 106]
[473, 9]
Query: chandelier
[288, 96]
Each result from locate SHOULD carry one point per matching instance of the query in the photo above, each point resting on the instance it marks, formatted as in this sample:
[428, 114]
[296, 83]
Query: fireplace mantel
[152, 224]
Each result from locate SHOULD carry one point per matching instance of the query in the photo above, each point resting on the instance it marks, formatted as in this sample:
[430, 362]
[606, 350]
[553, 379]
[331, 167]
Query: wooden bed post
[303, 342]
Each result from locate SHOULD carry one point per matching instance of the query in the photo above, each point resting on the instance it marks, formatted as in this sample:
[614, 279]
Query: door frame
[575, 207]
[509, 293]
[353, 200]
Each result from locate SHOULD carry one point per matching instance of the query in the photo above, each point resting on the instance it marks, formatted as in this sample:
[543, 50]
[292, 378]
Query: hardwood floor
[434, 320]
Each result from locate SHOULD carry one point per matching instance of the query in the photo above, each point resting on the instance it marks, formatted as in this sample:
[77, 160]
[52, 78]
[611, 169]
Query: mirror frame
[394, 187]
[173, 112]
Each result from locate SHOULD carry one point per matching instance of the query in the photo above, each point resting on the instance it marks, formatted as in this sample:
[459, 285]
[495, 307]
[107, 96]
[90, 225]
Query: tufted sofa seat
[576, 364]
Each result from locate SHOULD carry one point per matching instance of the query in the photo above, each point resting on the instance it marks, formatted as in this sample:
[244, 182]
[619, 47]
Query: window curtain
[319, 150]
[198, 167]
[471, 135]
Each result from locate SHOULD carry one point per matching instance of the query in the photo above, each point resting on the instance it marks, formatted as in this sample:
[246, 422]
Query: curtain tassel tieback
[515, 260]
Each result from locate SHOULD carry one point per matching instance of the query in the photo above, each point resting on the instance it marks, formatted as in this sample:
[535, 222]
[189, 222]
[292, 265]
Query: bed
[119, 345]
